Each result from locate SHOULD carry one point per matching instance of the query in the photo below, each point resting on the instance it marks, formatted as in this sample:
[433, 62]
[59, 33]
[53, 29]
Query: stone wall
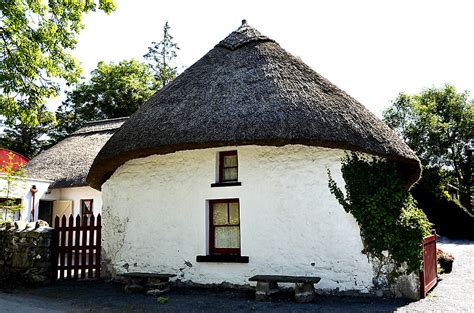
[26, 253]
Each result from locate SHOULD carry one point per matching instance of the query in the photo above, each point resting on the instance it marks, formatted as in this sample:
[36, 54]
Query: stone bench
[268, 285]
[151, 283]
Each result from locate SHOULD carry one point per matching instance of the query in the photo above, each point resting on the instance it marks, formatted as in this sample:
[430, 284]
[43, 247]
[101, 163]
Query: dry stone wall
[26, 253]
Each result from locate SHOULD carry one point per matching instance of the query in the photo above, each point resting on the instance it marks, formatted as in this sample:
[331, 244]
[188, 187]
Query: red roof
[13, 159]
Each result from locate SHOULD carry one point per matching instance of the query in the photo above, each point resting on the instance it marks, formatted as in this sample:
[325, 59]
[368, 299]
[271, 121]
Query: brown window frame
[83, 206]
[212, 247]
[221, 165]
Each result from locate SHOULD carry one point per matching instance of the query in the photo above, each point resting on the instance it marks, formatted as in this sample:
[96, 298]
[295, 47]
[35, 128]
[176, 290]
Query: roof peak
[242, 36]
[109, 120]
[100, 126]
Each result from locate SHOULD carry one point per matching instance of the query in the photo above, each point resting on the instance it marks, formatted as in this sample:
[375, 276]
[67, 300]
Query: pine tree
[160, 56]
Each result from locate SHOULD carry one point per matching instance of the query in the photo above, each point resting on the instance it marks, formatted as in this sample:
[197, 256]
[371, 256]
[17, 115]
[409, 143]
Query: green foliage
[437, 124]
[114, 90]
[162, 300]
[13, 178]
[28, 138]
[385, 211]
[451, 218]
[160, 55]
[36, 38]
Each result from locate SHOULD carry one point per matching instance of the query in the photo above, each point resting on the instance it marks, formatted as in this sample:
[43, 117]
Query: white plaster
[155, 212]
[76, 194]
[22, 191]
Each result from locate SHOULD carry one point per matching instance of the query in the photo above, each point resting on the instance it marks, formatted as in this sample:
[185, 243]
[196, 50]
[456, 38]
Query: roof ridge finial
[244, 23]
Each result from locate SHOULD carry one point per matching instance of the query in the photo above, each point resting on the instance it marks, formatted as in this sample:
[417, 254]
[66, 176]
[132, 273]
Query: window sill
[227, 184]
[223, 258]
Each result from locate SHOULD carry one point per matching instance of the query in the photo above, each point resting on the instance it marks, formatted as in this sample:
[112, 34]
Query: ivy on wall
[385, 211]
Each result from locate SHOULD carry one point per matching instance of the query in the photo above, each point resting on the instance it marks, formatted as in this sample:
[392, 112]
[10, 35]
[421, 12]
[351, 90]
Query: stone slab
[146, 275]
[285, 279]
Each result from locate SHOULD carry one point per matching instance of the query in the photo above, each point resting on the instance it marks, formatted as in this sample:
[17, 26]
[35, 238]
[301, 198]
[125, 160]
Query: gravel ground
[453, 293]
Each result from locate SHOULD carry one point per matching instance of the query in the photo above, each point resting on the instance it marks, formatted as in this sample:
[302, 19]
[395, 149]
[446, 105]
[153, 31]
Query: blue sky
[371, 49]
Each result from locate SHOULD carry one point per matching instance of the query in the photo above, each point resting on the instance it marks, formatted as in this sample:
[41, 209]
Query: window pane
[227, 237]
[230, 174]
[219, 216]
[86, 206]
[234, 213]
[230, 161]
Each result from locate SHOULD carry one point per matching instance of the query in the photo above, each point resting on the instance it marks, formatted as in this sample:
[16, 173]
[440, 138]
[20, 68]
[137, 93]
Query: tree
[35, 39]
[437, 124]
[27, 137]
[35, 42]
[114, 90]
[160, 56]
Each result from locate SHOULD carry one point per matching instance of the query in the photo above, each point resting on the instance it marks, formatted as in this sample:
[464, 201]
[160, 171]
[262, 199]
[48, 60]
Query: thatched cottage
[222, 174]
[59, 174]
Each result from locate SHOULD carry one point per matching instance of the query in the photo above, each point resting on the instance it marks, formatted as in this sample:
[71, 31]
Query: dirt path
[455, 291]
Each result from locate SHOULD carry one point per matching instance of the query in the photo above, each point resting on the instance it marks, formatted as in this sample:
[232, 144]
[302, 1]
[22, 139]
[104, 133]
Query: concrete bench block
[304, 292]
[264, 290]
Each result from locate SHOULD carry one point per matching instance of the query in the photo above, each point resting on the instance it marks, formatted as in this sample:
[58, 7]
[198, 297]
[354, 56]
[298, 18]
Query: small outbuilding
[222, 174]
[56, 178]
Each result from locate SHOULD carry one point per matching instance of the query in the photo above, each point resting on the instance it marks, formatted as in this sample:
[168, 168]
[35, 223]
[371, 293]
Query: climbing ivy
[385, 211]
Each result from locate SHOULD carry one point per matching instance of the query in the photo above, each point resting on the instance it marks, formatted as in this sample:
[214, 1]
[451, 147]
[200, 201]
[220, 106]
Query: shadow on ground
[98, 296]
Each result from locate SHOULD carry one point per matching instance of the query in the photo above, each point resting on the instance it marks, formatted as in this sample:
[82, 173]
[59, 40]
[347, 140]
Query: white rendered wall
[155, 217]
[22, 191]
[76, 194]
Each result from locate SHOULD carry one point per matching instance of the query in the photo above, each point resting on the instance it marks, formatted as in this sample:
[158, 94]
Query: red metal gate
[429, 274]
[77, 247]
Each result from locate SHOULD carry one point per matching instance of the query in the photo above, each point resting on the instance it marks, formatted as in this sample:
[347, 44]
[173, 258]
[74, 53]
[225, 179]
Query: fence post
[83, 245]
[68, 249]
[77, 240]
[90, 247]
[98, 246]
[62, 250]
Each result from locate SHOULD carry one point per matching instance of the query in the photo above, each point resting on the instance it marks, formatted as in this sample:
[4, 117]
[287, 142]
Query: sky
[373, 50]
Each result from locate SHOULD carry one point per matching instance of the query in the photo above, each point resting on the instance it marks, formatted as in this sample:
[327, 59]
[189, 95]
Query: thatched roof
[248, 90]
[68, 162]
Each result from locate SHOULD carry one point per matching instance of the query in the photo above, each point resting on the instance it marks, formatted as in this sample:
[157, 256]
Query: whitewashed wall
[76, 194]
[22, 191]
[155, 217]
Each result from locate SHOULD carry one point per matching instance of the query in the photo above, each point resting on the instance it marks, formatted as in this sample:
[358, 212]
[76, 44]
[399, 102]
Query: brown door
[45, 211]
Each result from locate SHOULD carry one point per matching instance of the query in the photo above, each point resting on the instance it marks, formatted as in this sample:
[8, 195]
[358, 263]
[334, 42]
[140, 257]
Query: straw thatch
[248, 90]
[68, 162]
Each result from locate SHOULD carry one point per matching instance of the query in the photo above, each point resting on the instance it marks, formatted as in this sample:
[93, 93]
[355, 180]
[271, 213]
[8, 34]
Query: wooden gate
[77, 247]
[429, 274]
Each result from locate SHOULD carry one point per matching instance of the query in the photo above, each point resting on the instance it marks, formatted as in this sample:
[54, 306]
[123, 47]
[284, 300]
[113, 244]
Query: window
[224, 227]
[228, 166]
[87, 208]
